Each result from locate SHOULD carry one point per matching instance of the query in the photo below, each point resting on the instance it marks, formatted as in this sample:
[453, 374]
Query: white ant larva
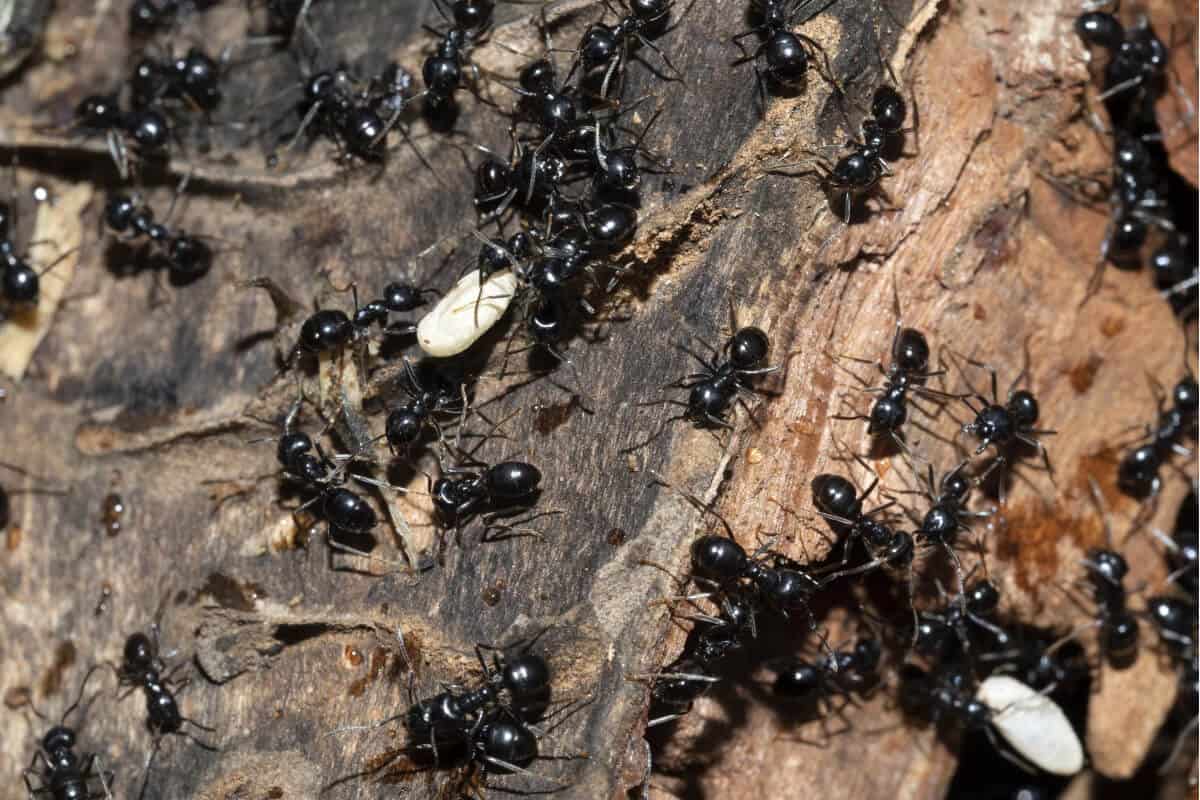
[1032, 724]
[466, 313]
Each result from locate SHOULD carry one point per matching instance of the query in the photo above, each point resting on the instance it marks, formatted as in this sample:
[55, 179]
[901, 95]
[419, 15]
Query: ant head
[955, 485]
[538, 77]
[1109, 564]
[1138, 470]
[58, 738]
[473, 15]
[1173, 617]
[292, 445]
[888, 109]
[139, 652]
[748, 348]
[1119, 636]
[976, 715]
[1187, 394]
[982, 597]
[492, 179]
[718, 557]
[911, 350]
[19, 283]
[98, 111]
[835, 495]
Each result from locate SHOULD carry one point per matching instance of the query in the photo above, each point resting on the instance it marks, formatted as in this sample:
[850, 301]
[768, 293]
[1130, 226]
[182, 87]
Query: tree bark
[159, 403]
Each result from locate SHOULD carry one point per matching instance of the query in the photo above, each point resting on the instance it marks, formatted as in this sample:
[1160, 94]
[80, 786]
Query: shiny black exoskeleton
[64, 774]
[946, 694]
[781, 585]
[147, 128]
[1004, 426]
[715, 388]
[185, 257]
[785, 53]
[908, 371]
[58, 771]
[712, 639]
[1117, 624]
[193, 78]
[1138, 471]
[812, 684]
[838, 502]
[608, 46]
[141, 667]
[462, 493]
[20, 283]
[407, 423]
[442, 72]
[961, 624]
[519, 685]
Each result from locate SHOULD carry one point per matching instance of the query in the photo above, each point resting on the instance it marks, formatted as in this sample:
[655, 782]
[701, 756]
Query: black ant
[945, 633]
[1175, 271]
[880, 133]
[677, 686]
[406, 423]
[608, 46]
[720, 562]
[443, 71]
[342, 509]
[491, 725]
[355, 116]
[64, 773]
[1183, 549]
[330, 330]
[146, 127]
[1001, 426]
[838, 502]
[813, 684]
[907, 372]
[186, 257]
[786, 52]
[495, 491]
[1137, 473]
[1137, 57]
[1106, 572]
[141, 668]
[715, 388]
[20, 283]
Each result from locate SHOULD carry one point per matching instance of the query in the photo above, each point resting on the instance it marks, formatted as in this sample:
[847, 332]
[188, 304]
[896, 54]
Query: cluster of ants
[963, 663]
[564, 201]
[1134, 80]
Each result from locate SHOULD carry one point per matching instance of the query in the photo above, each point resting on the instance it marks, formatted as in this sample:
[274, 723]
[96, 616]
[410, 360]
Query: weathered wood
[158, 403]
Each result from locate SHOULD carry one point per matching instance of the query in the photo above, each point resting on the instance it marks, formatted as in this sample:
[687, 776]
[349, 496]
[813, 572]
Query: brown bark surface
[157, 402]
